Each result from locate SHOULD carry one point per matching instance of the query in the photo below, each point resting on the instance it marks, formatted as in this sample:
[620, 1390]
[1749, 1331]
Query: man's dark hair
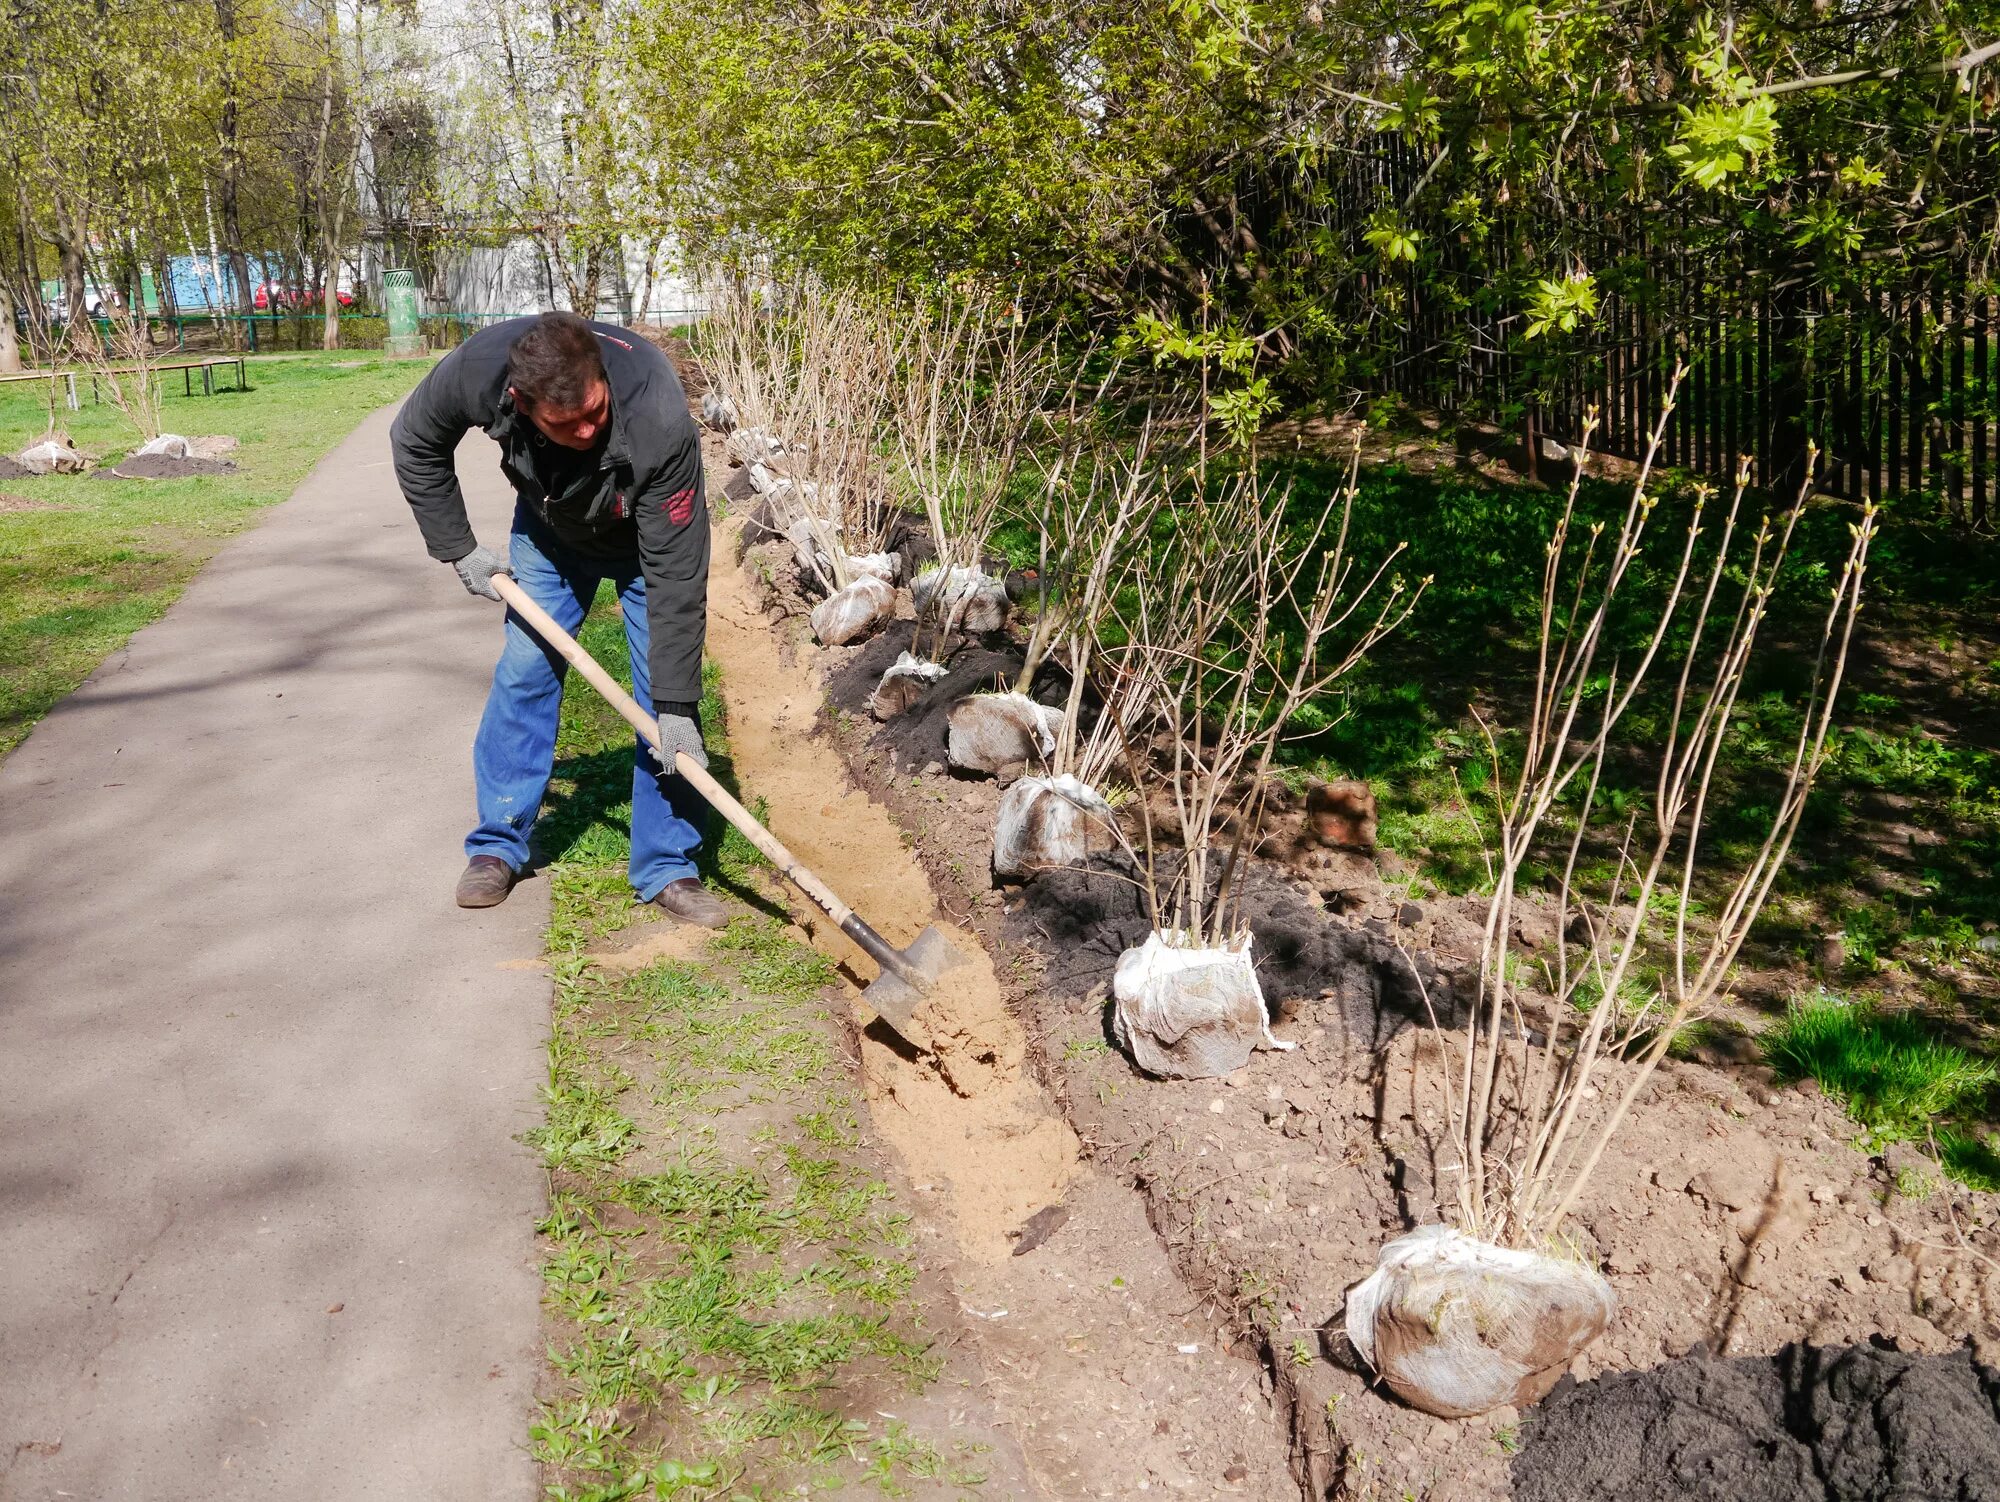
[556, 363]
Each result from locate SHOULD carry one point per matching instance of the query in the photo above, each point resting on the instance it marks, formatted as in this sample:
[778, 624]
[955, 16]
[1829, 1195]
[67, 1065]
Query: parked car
[271, 298]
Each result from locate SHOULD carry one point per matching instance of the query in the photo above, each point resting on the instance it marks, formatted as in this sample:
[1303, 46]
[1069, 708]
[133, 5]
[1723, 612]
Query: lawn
[731, 1295]
[86, 562]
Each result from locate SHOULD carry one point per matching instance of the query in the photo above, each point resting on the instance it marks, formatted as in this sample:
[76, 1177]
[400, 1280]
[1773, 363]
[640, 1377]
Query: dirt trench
[1108, 1369]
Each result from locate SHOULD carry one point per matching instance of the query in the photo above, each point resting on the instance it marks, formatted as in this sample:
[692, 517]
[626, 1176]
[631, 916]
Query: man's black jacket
[638, 495]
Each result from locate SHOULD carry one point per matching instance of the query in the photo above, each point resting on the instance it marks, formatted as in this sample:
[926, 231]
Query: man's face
[573, 428]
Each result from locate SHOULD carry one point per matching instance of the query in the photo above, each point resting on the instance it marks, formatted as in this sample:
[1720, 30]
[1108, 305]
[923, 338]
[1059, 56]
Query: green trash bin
[399, 301]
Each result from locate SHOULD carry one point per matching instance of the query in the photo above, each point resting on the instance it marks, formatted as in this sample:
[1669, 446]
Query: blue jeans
[514, 752]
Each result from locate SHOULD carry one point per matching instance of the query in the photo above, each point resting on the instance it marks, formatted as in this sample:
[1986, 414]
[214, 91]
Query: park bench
[208, 366]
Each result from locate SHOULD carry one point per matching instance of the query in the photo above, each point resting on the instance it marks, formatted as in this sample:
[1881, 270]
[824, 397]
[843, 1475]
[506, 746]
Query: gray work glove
[679, 733]
[477, 568]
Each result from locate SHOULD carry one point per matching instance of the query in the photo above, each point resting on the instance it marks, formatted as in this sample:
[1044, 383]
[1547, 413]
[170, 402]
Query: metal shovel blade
[894, 999]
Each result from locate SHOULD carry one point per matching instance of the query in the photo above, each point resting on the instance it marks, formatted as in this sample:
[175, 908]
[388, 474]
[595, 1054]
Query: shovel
[906, 975]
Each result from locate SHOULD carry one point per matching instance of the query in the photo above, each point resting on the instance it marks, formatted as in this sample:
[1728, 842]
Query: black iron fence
[1896, 387]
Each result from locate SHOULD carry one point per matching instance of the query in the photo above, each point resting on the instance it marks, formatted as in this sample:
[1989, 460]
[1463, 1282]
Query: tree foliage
[1212, 162]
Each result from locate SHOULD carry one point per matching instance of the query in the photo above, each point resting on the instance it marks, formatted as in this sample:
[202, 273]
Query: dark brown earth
[1863, 1424]
[163, 467]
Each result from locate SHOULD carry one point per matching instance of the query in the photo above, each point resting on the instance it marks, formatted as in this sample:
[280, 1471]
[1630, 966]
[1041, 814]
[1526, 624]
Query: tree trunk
[329, 196]
[71, 239]
[163, 283]
[10, 339]
[231, 179]
[330, 334]
[1785, 464]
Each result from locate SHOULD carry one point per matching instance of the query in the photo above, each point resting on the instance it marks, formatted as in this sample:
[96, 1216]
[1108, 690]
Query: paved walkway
[264, 1227]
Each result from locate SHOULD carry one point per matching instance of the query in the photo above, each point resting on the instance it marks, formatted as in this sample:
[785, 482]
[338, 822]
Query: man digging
[605, 461]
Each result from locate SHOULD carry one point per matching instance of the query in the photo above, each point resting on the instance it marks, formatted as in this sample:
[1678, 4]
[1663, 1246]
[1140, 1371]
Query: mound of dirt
[12, 468]
[1080, 919]
[165, 467]
[1803, 1424]
[917, 735]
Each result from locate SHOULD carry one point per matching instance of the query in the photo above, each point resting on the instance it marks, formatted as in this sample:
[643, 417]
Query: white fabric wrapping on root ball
[883, 566]
[1000, 733]
[980, 599]
[718, 411]
[50, 457]
[753, 445]
[1046, 822]
[170, 445]
[902, 685]
[1188, 1013]
[1457, 1326]
[854, 611]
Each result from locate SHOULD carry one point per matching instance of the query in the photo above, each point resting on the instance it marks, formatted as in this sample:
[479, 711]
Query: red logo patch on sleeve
[679, 507]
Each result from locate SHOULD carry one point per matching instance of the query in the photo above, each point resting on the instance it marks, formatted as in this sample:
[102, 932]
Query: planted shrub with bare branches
[969, 383]
[1543, 1076]
[1238, 622]
[807, 369]
[127, 365]
[1097, 510]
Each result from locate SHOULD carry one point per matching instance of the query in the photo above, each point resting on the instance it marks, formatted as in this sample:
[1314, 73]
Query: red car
[290, 299]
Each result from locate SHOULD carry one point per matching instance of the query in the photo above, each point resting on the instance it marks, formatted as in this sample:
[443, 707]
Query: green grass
[107, 556]
[721, 1265]
[1892, 1074]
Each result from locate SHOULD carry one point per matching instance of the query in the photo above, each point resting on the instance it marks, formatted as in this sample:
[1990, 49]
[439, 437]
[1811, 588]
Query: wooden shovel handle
[873, 944]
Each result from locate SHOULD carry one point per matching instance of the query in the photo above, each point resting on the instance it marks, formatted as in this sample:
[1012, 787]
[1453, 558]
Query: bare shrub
[968, 385]
[1532, 1108]
[808, 368]
[127, 365]
[1098, 506]
[1238, 620]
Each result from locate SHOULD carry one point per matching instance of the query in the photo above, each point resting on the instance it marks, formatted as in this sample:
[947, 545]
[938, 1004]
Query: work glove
[679, 732]
[477, 568]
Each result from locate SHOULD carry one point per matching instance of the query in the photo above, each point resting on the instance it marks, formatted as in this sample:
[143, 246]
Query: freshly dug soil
[966, 1117]
[1729, 1215]
[1806, 1423]
[917, 735]
[1081, 919]
[12, 468]
[161, 467]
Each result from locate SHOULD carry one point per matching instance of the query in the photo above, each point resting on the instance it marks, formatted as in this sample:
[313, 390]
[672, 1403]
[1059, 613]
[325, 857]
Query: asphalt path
[266, 1224]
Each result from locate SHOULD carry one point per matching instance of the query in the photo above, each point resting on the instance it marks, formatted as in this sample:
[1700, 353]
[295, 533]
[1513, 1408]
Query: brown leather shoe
[691, 902]
[486, 882]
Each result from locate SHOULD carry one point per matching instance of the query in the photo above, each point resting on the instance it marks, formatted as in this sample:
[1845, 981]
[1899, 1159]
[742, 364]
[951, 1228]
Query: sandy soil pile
[966, 1115]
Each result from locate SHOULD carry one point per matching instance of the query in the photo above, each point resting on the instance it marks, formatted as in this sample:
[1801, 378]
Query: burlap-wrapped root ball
[1457, 1326]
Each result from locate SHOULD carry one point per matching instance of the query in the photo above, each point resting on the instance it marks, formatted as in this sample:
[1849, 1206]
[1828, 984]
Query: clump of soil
[1079, 920]
[917, 735]
[164, 467]
[13, 469]
[1803, 1424]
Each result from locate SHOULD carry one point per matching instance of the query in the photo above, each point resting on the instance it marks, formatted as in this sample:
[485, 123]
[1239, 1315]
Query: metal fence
[1896, 388]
